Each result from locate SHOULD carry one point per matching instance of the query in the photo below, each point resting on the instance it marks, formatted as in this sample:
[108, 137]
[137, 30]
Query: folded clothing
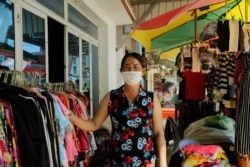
[200, 155]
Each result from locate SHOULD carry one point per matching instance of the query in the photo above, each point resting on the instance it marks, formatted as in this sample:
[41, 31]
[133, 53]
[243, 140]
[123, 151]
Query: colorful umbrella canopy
[182, 25]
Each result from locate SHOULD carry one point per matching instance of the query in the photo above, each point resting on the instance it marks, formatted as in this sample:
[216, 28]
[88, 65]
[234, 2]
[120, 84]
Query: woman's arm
[98, 119]
[159, 134]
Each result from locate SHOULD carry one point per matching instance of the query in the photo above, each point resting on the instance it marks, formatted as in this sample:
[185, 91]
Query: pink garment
[84, 109]
[202, 149]
[63, 107]
[70, 146]
[81, 135]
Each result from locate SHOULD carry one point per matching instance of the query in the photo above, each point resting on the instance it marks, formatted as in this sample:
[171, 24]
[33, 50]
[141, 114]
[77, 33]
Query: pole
[246, 10]
[195, 25]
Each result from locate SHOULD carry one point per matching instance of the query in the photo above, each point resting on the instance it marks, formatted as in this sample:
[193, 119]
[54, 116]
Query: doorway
[56, 67]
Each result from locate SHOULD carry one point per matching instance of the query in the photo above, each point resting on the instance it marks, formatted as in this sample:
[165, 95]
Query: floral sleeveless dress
[132, 140]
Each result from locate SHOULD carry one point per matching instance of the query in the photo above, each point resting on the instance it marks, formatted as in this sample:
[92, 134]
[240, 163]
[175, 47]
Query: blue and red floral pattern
[132, 141]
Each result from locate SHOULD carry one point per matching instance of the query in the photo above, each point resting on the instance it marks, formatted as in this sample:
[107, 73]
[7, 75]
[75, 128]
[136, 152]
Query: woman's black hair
[134, 55]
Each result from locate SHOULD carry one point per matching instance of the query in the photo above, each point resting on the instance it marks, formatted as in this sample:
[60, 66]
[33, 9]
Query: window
[33, 43]
[85, 66]
[82, 22]
[7, 47]
[56, 6]
[74, 59]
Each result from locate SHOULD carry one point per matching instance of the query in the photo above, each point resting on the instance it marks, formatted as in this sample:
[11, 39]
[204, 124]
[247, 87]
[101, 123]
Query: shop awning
[184, 24]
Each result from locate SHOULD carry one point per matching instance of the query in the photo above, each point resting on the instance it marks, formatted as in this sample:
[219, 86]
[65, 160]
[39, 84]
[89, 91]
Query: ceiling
[147, 9]
[133, 12]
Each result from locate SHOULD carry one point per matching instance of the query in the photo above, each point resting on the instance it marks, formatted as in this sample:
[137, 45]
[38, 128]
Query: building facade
[66, 40]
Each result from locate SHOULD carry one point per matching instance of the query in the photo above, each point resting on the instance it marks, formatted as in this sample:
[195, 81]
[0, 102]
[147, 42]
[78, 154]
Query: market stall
[190, 35]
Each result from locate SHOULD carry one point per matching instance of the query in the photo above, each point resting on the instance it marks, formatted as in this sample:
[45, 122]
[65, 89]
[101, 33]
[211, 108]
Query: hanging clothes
[83, 141]
[28, 127]
[196, 62]
[195, 85]
[224, 73]
[8, 157]
[231, 36]
[234, 27]
[35, 129]
[242, 112]
[223, 33]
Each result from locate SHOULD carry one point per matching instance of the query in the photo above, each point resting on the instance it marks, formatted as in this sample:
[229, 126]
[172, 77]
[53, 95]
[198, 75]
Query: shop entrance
[56, 51]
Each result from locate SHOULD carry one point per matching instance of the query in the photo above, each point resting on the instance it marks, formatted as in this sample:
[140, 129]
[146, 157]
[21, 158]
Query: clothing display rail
[34, 126]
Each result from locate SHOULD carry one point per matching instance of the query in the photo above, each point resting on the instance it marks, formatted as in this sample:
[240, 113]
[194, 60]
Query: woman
[137, 133]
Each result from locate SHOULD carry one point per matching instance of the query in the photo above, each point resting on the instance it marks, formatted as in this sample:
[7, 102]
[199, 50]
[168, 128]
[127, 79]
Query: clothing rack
[59, 86]
[19, 78]
[45, 115]
[27, 78]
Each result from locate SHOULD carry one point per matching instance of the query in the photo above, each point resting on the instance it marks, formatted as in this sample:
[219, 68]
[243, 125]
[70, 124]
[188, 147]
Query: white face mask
[132, 77]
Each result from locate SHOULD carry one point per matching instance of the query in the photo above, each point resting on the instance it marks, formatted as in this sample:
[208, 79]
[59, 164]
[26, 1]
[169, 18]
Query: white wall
[107, 50]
